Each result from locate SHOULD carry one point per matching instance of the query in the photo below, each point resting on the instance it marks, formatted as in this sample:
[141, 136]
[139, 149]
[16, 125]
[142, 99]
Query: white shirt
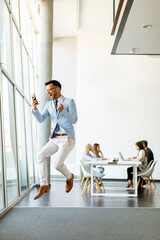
[61, 130]
[87, 156]
[143, 159]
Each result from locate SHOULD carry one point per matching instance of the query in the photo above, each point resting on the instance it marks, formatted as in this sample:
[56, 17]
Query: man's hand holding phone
[34, 102]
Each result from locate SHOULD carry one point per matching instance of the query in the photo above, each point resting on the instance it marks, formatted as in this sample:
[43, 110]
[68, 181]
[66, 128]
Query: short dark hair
[54, 82]
[144, 142]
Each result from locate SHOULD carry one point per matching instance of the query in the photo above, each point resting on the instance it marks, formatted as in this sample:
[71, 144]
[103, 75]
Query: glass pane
[34, 134]
[17, 57]
[32, 88]
[21, 141]
[5, 37]
[30, 33]
[10, 139]
[15, 10]
[25, 73]
[30, 155]
[24, 16]
[26, 26]
[35, 50]
[36, 83]
[1, 175]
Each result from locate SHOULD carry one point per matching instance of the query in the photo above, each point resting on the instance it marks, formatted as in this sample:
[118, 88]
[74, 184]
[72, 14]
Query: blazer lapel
[54, 110]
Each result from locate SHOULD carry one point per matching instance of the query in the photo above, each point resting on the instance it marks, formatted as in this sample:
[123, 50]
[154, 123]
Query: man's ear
[58, 89]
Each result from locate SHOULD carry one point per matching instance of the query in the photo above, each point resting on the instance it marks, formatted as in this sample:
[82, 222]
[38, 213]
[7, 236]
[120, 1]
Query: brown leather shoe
[41, 191]
[69, 183]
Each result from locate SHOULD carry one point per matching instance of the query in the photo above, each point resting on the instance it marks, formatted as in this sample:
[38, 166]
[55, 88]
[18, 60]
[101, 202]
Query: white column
[45, 70]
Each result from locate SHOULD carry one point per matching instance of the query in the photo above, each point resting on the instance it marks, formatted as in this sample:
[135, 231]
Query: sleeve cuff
[34, 110]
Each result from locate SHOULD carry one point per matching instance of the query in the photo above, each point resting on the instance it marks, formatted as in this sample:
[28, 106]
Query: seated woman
[142, 157]
[97, 153]
[89, 156]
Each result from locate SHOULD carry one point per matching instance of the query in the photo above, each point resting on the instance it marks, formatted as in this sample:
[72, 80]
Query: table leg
[91, 180]
[135, 182]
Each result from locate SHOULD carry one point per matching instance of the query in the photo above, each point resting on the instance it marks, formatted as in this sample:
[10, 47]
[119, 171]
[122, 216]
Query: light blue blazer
[65, 119]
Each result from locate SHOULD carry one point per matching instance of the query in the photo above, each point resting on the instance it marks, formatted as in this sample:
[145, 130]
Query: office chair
[146, 174]
[97, 177]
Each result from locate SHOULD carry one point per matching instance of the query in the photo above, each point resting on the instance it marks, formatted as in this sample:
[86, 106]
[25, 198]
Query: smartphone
[34, 97]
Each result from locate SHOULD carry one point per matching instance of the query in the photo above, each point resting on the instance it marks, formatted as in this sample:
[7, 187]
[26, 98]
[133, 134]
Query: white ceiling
[134, 35]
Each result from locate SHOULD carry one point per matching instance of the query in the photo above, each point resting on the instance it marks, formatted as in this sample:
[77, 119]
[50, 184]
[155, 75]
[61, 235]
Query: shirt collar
[60, 98]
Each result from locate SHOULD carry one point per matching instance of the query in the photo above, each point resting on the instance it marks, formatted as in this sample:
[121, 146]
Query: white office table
[134, 164]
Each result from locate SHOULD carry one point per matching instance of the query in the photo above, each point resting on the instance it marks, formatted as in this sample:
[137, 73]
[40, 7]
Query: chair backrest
[148, 166]
[149, 172]
[86, 166]
[86, 169]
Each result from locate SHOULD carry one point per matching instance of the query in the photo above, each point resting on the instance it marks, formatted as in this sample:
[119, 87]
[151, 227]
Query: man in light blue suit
[62, 139]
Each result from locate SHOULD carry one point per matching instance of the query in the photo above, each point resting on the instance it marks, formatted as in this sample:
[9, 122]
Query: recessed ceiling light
[147, 26]
[133, 50]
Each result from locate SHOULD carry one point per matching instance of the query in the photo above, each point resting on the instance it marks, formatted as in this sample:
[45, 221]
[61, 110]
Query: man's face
[53, 91]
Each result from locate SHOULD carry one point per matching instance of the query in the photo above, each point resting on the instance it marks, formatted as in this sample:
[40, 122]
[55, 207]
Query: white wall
[65, 18]
[65, 64]
[117, 96]
[65, 71]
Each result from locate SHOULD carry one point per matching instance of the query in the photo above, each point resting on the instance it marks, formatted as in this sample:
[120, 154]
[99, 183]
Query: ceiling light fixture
[133, 50]
[147, 26]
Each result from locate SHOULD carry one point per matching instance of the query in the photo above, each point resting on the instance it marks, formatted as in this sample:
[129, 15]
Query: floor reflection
[57, 197]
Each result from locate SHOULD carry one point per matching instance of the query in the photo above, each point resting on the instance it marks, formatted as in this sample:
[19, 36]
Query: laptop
[121, 157]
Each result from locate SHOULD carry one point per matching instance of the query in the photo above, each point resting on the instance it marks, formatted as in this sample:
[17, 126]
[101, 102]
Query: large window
[21, 141]
[25, 73]
[17, 57]
[18, 78]
[10, 139]
[5, 37]
[30, 36]
[15, 10]
[1, 174]
[30, 154]
[31, 77]
[23, 17]
[35, 49]
[26, 26]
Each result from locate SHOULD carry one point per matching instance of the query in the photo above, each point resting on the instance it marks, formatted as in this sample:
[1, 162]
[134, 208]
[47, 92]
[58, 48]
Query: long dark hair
[95, 149]
[140, 145]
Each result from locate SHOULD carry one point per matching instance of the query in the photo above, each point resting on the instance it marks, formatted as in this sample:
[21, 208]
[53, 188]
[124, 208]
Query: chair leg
[94, 182]
[99, 182]
[153, 182]
[102, 184]
[142, 183]
[82, 181]
[85, 186]
[138, 182]
[98, 186]
[150, 185]
[90, 186]
[146, 183]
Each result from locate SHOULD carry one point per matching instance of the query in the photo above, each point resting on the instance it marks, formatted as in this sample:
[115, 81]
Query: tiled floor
[57, 197]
